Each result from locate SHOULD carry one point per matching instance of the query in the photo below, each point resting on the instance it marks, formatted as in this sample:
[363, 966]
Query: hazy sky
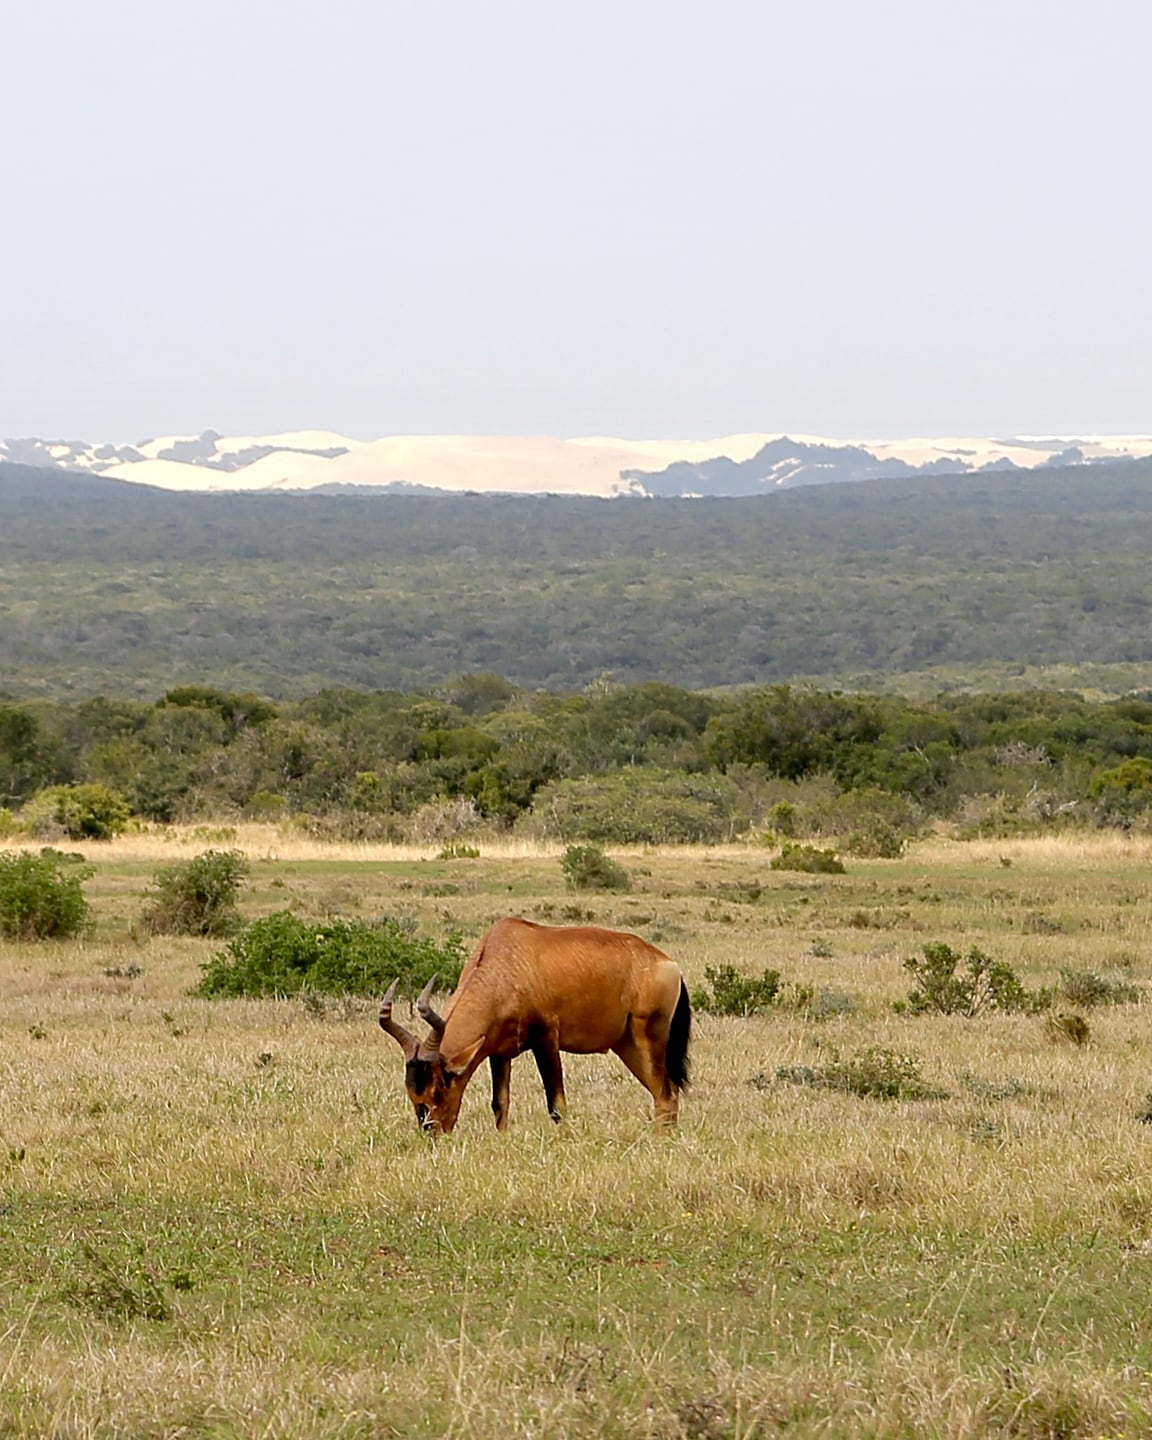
[633, 217]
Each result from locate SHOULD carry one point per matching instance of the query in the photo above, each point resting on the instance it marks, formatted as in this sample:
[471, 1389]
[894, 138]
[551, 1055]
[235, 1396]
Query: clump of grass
[807, 858]
[949, 984]
[283, 955]
[731, 993]
[586, 867]
[1007, 1089]
[117, 1289]
[42, 896]
[1066, 1026]
[874, 1073]
[1037, 923]
[1086, 988]
[197, 896]
[456, 850]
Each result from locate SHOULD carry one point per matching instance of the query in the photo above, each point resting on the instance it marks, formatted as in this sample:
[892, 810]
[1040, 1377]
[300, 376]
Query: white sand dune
[518, 464]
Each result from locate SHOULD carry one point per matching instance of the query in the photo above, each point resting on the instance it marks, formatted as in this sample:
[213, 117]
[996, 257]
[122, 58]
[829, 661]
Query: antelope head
[434, 1090]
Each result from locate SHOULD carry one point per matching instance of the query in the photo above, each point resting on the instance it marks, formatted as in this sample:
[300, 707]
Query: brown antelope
[547, 989]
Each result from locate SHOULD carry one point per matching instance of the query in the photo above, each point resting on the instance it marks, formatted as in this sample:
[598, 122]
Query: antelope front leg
[547, 1056]
[501, 1088]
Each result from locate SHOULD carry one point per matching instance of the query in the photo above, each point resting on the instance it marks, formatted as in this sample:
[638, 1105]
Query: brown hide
[579, 981]
[549, 989]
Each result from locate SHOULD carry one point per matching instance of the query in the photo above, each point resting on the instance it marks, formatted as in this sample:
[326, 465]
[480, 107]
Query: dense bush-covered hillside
[612, 764]
[110, 588]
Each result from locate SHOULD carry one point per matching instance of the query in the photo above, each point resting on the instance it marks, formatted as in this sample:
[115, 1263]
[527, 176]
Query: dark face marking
[434, 1092]
[424, 1081]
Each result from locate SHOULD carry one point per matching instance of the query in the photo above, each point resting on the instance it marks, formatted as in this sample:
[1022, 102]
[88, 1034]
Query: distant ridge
[744, 464]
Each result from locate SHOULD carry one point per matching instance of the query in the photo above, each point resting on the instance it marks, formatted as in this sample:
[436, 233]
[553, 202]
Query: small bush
[586, 867]
[1086, 988]
[825, 1004]
[283, 955]
[197, 896]
[1008, 1089]
[808, 859]
[42, 896]
[875, 839]
[874, 1073]
[736, 994]
[81, 812]
[982, 984]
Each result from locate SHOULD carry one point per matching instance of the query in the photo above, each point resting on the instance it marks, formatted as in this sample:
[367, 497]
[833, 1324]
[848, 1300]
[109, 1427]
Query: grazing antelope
[547, 989]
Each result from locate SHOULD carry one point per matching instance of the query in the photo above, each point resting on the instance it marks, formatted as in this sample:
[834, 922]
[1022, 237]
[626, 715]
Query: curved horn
[425, 1008]
[407, 1041]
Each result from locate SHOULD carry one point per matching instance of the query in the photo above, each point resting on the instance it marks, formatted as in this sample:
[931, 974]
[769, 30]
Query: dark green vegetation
[586, 867]
[948, 986]
[281, 955]
[730, 993]
[110, 587]
[197, 896]
[615, 765]
[42, 896]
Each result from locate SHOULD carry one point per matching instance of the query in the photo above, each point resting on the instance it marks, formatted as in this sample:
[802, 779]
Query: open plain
[218, 1218]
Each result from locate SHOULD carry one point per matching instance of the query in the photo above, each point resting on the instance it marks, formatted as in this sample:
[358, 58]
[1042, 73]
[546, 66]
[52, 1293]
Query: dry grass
[793, 1261]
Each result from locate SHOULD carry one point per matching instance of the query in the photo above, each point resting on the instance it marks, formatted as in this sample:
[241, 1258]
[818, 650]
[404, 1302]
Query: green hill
[108, 587]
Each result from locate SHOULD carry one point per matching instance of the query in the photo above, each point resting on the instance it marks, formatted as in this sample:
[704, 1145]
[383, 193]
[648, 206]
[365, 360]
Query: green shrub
[945, 988]
[1086, 988]
[874, 1073]
[641, 805]
[586, 867]
[197, 896]
[81, 812]
[284, 955]
[807, 858]
[42, 896]
[736, 994]
[875, 839]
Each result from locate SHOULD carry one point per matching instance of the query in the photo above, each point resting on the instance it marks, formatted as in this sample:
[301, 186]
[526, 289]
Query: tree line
[611, 763]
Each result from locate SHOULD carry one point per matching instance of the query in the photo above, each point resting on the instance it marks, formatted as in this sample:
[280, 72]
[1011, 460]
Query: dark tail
[679, 1037]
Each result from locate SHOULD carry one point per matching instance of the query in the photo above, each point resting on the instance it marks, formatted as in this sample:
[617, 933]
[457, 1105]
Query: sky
[645, 218]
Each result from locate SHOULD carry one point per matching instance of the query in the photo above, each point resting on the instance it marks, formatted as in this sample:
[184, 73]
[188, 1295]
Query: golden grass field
[218, 1218]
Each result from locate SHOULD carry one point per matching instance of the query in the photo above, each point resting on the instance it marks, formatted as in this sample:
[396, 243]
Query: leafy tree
[28, 759]
[81, 812]
[637, 806]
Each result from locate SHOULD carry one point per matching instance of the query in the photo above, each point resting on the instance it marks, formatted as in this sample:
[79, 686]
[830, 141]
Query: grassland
[218, 1219]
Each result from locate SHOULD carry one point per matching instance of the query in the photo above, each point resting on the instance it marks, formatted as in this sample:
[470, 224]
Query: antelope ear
[463, 1062]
